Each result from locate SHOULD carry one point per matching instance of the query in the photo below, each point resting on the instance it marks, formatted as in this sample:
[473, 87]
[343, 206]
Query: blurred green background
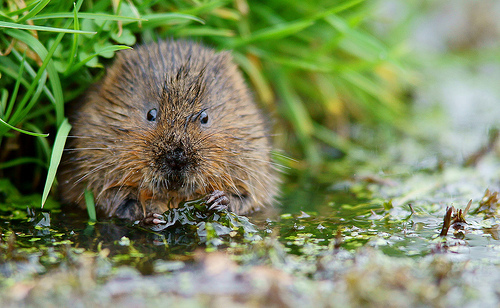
[321, 69]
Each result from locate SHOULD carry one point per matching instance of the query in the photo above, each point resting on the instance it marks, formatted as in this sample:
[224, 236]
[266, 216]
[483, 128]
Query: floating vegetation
[192, 219]
[454, 218]
[489, 205]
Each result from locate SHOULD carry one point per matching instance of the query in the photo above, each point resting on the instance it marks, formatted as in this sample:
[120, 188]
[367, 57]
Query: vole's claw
[217, 207]
[217, 201]
[152, 219]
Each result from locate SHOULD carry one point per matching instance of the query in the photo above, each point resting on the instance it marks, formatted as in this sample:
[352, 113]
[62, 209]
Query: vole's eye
[203, 118]
[152, 115]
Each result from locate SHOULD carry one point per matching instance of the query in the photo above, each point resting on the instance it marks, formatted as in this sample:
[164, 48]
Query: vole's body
[171, 121]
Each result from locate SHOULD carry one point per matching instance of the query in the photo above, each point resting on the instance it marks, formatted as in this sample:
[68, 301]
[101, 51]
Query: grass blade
[358, 42]
[170, 19]
[208, 6]
[22, 161]
[32, 73]
[40, 5]
[19, 11]
[273, 33]
[51, 70]
[13, 25]
[22, 130]
[299, 117]
[95, 16]
[89, 202]
[16, 88]
[76, 26]
[261, 85]
[338, 9]
[55, 158]
[104, 50]
[3, 101]
[205, 31]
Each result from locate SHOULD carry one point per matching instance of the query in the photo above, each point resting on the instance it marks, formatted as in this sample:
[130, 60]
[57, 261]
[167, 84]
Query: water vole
[171, 121]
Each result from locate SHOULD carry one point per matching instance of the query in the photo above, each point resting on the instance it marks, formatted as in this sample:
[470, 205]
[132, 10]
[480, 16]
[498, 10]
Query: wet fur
[115, 152]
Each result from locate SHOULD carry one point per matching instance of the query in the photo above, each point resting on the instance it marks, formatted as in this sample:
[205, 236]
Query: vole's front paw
[152, 219]
[217, 201]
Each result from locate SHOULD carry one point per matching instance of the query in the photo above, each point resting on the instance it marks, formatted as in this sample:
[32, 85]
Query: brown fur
[115, 152]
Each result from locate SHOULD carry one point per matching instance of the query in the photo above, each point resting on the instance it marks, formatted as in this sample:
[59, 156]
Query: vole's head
[179, 117]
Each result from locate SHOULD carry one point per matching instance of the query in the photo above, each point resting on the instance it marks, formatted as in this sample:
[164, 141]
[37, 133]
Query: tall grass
[313, 64]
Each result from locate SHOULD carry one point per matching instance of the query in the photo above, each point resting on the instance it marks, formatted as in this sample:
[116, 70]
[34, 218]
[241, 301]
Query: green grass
[313, 65]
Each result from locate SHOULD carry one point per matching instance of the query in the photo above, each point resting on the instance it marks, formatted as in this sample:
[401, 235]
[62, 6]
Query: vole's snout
[173, 165]
[176, 160]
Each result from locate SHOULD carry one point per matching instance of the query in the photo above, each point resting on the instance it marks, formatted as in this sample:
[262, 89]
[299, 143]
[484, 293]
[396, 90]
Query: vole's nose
[176, 159]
